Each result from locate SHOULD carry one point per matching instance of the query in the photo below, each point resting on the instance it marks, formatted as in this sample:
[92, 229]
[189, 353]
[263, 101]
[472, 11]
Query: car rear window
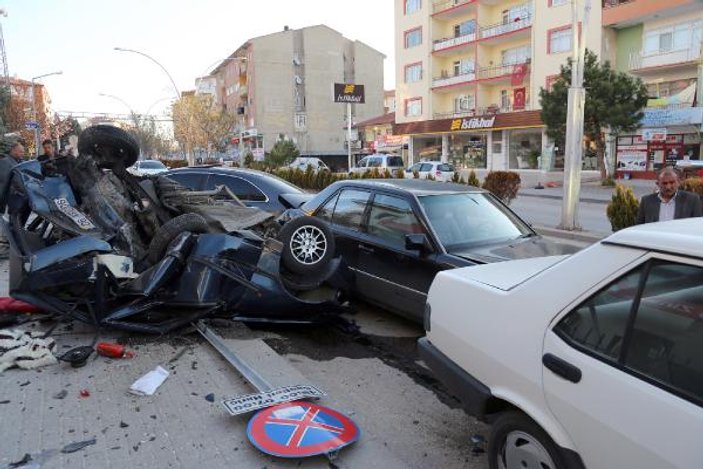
[445, 167]
[395, 161]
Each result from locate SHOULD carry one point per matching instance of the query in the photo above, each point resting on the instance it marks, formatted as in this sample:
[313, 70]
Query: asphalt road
[546, 212]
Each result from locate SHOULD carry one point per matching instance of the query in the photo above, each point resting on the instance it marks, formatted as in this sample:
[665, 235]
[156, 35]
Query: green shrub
[248, 159]
[416, 174]
[400, 173]
[473, 179]
[693, 184]
[282, 153]
[623, 207]
[608, 182]
[503, 184]
[430, 177]
[457, 177]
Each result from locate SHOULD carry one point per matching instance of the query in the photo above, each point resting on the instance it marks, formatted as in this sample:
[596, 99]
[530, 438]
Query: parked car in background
[254, 188]
[147, 168]
[443, 172]
[303, 162]
[379, 162]
[592, 360]
[396, 234]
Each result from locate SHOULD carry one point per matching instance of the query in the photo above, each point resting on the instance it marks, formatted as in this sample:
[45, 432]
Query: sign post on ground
[349, 94]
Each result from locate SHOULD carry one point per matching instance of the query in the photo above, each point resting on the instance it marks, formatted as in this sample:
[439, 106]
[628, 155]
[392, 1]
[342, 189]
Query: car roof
[677, 237]
[417, 187]
[253, 174]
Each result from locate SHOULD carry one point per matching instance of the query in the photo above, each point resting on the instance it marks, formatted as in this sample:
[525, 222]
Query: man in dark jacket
[7, 162]
[49, 151]
[669, 203]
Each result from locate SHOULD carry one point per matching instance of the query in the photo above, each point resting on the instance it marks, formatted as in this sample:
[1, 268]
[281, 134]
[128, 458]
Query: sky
[187, 37]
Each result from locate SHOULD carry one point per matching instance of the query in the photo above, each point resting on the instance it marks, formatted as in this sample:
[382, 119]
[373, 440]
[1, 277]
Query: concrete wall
[368, 71]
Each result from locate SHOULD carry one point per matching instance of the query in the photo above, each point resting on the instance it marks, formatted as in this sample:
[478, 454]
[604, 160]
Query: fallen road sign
[301, 429]
[251, 402]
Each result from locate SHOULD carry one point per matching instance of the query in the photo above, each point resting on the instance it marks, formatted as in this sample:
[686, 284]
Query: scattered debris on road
[149, 383]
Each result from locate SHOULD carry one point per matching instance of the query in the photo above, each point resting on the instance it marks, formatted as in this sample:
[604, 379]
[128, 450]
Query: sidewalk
[591, 191]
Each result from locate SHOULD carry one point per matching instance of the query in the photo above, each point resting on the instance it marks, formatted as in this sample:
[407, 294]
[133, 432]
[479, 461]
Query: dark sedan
[395, 235]
[254, 188]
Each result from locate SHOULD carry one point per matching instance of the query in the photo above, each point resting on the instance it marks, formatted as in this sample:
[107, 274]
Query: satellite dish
[298, 80]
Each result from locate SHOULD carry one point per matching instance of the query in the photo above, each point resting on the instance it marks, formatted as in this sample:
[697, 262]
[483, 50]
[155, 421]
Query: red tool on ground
[11, 305]
[112, 350]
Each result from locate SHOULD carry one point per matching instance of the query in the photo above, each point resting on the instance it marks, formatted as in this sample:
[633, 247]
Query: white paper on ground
[149, 383]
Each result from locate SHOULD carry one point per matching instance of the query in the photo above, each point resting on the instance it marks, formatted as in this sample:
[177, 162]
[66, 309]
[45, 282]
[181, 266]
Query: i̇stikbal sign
[347, 93]
[471, 123]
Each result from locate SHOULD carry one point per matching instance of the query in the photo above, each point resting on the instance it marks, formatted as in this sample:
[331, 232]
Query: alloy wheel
[308, 244]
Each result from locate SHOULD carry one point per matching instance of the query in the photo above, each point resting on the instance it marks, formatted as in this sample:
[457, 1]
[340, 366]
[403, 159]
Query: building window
[413, 107]
[559, 40]
[411, 6]
[413, 73]
[517, 55]
[678, 37]
[557, 3]
[549, 82]
[464, 66]
[465, 28]
[413, 38]
[504, 99]
[464, 103]
[300, 121]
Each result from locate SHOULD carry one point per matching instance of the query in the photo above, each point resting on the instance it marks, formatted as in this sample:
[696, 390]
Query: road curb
[559, 197]
[584, 236]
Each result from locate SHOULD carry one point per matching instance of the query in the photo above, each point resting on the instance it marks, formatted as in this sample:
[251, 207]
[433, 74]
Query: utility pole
[349, 136]
[573, 151]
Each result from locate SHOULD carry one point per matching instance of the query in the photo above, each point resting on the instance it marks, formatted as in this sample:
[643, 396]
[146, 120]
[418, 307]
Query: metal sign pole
[349, 136]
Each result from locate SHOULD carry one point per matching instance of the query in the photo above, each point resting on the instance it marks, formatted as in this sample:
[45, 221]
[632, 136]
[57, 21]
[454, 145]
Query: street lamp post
[175, 88]
[34, 110]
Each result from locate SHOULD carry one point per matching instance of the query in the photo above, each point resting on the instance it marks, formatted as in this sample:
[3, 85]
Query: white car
[590, 360]
[443, 172]
[380, 162]
[147, 168]
[302, 164]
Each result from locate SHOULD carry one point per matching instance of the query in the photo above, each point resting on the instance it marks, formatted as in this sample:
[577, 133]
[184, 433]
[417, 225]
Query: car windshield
[463, 220]
[151, 165]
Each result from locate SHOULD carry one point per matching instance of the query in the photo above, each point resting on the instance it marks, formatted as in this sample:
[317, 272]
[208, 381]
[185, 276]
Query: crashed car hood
[294, 200]
[516, 249]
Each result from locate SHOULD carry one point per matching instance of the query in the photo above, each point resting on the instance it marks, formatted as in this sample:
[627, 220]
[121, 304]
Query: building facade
[659, 42]
[469, 74]
[280, 86]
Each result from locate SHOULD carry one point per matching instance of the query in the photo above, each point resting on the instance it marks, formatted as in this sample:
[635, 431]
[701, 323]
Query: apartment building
[469, 74]
[659, 42]
[280, 85]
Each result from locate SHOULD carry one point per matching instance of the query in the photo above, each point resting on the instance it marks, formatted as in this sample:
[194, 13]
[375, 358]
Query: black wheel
[123, 148]
[517, 442]
[308, 245]
[168, 231]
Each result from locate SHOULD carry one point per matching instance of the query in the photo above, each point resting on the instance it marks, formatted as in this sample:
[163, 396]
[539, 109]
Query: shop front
[668, 137]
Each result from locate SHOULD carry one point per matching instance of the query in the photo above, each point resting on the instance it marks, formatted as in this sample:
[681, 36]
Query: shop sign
[632, 160]
[471, 123]
[669, 117]
[346, 93]
[654, 135]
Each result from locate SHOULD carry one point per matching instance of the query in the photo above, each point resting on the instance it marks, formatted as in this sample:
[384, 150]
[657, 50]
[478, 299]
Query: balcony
[452, 44]
[501, 32]
[504, 73]
[482, 111]
[448, 9]
[642, 64]
[446, 81]
[617, 13]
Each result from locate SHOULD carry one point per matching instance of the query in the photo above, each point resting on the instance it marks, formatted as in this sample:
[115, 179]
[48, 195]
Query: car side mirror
[417, 242]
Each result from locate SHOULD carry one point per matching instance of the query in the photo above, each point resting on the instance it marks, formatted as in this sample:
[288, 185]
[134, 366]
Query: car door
[624, 369]
[345, 212]
[389, 274]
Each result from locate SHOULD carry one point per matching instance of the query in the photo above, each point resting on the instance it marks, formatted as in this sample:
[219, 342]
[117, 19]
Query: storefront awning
[485, 123]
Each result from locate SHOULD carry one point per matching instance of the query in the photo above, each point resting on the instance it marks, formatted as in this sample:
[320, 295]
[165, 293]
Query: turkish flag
[519, 98]
[519, 72]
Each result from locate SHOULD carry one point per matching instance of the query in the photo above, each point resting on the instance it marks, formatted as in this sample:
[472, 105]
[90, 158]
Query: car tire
[127, 148]
[167, 232]
[516, 437]
[308, 245]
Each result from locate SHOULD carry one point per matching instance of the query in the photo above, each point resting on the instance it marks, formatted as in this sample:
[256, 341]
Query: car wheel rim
[523, 451]
[308, 244]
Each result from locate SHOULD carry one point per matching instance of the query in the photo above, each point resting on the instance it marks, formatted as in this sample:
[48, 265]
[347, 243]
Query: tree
[63, 128]
[282, 153]
[151, 142]
[199, 123]
[614, 103]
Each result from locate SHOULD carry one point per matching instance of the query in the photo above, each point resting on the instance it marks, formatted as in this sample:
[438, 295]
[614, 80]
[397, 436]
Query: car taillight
[438, 173]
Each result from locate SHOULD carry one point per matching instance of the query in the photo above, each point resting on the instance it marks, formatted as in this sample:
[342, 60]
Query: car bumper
[473, 394]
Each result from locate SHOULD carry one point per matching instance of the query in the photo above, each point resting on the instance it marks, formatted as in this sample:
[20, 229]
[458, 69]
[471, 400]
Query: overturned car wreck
[91, 242]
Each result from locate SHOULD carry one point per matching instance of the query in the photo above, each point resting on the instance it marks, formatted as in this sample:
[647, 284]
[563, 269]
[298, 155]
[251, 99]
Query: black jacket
[688, 205]
[6, 164]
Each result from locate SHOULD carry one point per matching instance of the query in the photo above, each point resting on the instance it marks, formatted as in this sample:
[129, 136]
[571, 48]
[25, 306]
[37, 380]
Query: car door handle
[365, 248]
[561, 368]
